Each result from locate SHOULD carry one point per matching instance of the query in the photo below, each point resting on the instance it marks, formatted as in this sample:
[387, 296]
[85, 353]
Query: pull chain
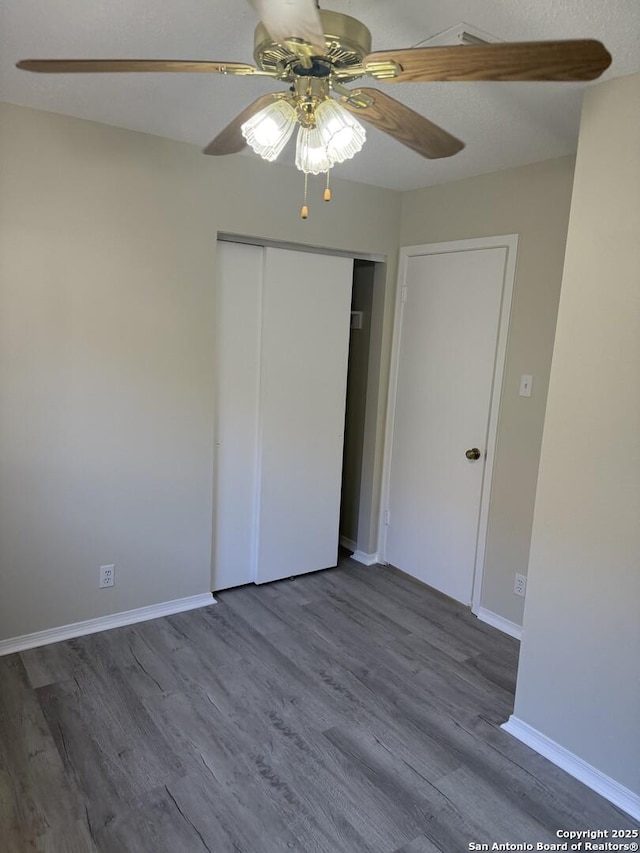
[304, 212]
[327, 189]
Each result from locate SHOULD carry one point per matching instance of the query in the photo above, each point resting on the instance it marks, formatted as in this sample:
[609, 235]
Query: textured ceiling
[503, 124]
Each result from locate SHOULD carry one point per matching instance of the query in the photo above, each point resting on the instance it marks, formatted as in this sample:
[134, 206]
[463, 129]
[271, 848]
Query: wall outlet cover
[107, 576]
[520, 585]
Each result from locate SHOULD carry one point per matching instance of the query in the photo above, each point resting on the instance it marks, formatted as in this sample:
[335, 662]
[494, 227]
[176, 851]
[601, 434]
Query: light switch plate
[526, 385]
[356, 319]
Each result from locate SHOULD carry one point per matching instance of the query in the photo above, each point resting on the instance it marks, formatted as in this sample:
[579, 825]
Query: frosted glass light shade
[342, 134]
[311, 152]
[269, 130]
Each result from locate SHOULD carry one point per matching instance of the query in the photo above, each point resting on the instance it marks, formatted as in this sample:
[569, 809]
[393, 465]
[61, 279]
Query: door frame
[504, 241]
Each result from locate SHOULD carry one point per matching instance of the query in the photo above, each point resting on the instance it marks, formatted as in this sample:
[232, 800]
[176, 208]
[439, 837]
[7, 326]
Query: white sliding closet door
[237, 368]
[282, 332]
[304, 354]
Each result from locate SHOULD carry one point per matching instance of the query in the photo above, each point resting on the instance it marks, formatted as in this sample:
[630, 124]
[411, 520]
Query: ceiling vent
[461, 33]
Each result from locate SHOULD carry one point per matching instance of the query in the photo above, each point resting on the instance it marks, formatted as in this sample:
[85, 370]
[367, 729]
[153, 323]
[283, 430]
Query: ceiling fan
[316, 52]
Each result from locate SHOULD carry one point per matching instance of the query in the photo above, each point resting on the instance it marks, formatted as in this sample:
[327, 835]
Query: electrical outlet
[107, 576]
[520, 585]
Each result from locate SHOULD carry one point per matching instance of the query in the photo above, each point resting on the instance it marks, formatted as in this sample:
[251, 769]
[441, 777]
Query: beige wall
[578, 681]
[107, 242]
[532, 201]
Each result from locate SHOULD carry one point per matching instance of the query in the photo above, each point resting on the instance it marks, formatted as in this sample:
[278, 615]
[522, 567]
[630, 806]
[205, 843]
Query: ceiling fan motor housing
[347, 41]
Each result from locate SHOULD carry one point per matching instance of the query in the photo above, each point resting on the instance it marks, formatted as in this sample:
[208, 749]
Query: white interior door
[282, 338]
[304, 354]
[446, 367]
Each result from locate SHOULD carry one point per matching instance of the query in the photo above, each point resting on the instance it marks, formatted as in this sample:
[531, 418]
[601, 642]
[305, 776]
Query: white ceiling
[503, 124]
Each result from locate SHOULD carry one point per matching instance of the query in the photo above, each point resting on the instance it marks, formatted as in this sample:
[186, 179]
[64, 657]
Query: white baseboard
[349, 544]
[365, 559]
[104, 623]
[499, 622]
[599, 782]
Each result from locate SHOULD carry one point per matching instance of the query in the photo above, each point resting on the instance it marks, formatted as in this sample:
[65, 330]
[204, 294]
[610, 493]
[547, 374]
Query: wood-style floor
[346, 711]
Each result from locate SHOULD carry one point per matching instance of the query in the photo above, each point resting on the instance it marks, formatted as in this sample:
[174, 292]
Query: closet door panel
[237, 372]
[306, 302]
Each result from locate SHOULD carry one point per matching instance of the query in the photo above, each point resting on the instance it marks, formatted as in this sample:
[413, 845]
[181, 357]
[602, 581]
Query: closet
[282, 341]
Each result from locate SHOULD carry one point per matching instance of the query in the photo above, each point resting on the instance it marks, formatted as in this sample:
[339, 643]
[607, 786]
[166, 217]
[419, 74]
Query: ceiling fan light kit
[311, 152]
[327, 133]
[323, 51]
[342, 134]
[324, 125]
[268, 131]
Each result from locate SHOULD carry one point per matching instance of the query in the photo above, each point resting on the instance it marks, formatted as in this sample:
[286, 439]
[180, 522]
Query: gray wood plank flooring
[348, 711]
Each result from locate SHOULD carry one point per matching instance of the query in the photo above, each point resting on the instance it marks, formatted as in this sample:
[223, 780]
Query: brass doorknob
[473, 453]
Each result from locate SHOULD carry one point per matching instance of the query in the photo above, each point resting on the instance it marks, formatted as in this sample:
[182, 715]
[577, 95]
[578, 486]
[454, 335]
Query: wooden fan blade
[405, 125]
[88, 66]
[535, 60]
[291, 19]
[230, 140]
